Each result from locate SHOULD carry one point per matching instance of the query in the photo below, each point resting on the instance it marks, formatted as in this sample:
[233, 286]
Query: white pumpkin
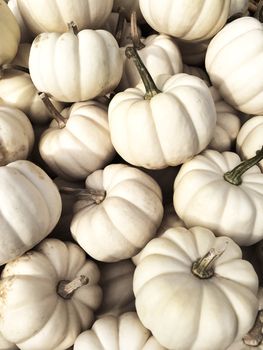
[116, 283]
[209, 191]
[81, 145]
[253, 340]
[85, 13]
[236, 72]
[16, 134]
[18, 91]
[250, 138]
[193, 291]
[31, 207]
[75, 67]
[58, 290]
[121, 214]
[117, 333]
[171, 122]
[227, 125]
[160, 56]
[9, 34]
[186, 19]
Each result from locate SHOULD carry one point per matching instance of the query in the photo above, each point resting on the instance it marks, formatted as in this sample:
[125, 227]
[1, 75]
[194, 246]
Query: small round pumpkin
[85, 13]
[30, 209]
[73, 67]
[117, 333]
[120, 214]
[9, 34]
[58, 288]
[186, 19]
[188, 292]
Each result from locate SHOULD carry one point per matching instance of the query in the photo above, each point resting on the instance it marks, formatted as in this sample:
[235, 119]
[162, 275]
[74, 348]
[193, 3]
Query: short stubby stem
[150, 87]
[89, 194]
[72, 27]
[52, 110]
[234, 176]
[203, 267]
[66, 289]
[254, 337]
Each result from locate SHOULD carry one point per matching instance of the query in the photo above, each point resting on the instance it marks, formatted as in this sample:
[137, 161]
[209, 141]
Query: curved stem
[254, 337]
[150, 87]
[136, 40]
[72, 27]
[52, 110]
[120, 26]
[8, 66]
[89, 194]
[234, 176]
[66, 289]
[203, 267]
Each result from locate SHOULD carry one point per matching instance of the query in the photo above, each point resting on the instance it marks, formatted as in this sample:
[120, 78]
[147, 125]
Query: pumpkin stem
[53, 111]
[136, 40]
[8, 66]
[203, 267]
[254, 337]
[120, 26]
[72, 27]
[89, 194]
[234, 176]
[66, 289]
[150, 87]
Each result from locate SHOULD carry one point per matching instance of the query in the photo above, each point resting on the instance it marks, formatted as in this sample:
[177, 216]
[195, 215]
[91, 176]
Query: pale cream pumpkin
[117, 333]
[235, 72]
[16, 134]
[171, 123]
[9, 34]
[85, 13]
[193, 291]
[116, 283]
[160, 55]
[57, 287]
[80, 144]
[227, 125]
[30, 209]
[75, 67]
[18, 91]
[186, 19]
[121, 213]
[210, 191]
[250, 138]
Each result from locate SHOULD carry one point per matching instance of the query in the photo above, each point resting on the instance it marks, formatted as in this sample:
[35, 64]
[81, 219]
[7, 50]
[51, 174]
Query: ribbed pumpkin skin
[9, 34]
[250, 138]
[74, 68]
[186, 19]
[128, 217]
[87, 133]
[167, 130]
[202, 197]
[16, 135]
[58, 13]
[117, 333]
[183, 311]
[236, 72]
[30, 209]
[32, 281]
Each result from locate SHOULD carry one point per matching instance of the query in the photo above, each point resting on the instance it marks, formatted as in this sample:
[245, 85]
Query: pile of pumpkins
[131, 159]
